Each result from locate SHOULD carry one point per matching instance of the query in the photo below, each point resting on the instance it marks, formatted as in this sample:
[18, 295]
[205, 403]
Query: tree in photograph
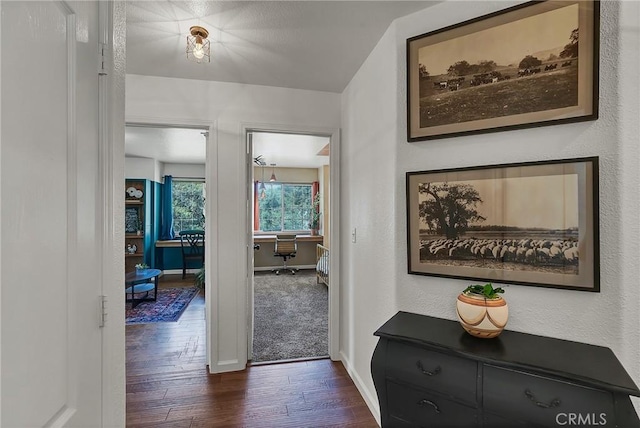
[460, 68]
[424, 74]
[449, 209]
[571, 49]
[552, 57]
[529, 61]
[486, 66]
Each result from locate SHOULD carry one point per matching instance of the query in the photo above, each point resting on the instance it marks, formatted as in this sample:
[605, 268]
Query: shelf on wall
[133, 202]
[133, 255]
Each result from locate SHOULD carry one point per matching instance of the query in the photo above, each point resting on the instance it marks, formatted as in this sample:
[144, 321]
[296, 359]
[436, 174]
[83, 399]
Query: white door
[51, 362]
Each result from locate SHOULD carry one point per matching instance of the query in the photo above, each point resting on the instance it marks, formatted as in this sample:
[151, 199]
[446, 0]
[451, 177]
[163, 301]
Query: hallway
[168, 383]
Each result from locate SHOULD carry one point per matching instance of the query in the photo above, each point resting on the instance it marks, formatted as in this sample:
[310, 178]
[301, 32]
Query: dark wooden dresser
[429, 372]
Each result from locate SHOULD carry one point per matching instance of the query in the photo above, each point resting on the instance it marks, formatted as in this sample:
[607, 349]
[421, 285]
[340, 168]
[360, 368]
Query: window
[286, 207]
[188, 205]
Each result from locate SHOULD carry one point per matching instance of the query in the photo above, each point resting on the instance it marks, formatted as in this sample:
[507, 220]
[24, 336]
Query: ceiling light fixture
[273, 173]
[198, 47]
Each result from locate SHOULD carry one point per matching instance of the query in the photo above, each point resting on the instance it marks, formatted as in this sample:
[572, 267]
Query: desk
[305, 257]
[258, 239]
[138, 282]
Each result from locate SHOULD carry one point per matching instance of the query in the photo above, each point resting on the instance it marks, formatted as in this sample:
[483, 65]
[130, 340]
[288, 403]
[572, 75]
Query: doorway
[289, 224]
[165, 171]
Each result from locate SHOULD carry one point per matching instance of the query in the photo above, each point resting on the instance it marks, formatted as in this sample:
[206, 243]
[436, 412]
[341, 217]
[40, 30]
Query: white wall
[226, 107]
[183, 170]
[286, 175]
[143, 168]
[368, 200]
[152, 169]
[374, 133]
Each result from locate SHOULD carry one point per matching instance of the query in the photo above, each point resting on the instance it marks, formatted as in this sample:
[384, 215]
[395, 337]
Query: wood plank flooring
[168, 384]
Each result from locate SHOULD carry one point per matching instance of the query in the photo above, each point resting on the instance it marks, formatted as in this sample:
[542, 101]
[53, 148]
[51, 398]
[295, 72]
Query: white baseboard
[178, 271]
[369, 398]
[226, 366]
[266, 268]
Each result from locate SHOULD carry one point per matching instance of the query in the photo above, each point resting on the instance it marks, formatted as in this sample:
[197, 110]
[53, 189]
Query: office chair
[192, 244]
[286, 247]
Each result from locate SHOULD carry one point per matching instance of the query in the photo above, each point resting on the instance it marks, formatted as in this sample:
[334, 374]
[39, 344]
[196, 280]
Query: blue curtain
[166, 219]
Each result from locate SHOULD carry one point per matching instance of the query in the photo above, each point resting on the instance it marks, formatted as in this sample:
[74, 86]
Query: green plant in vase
[142, 266]
[486, 290]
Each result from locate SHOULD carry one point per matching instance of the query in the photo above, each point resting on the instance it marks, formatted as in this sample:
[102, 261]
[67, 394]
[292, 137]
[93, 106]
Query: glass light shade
[198, 50]
[198, 47]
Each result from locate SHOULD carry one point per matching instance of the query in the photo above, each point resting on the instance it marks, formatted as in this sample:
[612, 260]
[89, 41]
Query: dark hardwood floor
[168, 384]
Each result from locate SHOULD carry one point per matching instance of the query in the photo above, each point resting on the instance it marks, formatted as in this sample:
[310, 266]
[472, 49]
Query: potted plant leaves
[200, 278]
[141, 267]
[481, 310]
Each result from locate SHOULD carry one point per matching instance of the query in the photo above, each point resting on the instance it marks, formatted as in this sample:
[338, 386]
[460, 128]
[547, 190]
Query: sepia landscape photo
[523, 223]
[533, 64]
[533, 223]
[524, 66]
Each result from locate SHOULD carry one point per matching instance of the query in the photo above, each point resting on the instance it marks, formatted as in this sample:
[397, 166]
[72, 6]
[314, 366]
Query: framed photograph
[131, 219]
[532, 223]
[534, 64]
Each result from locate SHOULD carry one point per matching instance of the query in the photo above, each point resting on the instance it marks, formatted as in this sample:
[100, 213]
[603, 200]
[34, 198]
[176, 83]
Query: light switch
[353, 235]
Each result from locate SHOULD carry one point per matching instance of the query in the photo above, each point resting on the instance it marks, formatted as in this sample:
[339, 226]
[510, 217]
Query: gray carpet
[290, 316]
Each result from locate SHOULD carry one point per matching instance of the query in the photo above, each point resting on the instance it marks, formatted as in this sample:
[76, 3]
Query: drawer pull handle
[425, 402]
[427, 372]
[554, 403]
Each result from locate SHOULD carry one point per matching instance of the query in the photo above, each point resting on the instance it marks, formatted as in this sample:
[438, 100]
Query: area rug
[170, 304]
[290, 317]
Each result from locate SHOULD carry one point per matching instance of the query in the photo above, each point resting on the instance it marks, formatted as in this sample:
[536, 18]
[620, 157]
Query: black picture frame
[491, 92]
[479, 223]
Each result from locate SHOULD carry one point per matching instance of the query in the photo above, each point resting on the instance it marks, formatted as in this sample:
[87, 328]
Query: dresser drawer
[424, 409]
[493, 421]
[433, 370]
[544, 401]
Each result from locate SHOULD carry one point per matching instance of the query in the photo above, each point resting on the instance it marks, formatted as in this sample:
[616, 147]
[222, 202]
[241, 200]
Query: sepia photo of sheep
[520, 223]
[522, 67]
[529, 223]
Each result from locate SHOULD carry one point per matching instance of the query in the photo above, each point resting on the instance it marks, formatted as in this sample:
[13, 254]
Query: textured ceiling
[173, 145]
[317, 45]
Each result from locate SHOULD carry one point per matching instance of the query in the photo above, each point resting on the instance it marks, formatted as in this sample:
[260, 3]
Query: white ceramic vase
[482, 317]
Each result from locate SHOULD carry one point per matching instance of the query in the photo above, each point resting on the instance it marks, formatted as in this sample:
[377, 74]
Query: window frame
[283, 184]
[204, 204]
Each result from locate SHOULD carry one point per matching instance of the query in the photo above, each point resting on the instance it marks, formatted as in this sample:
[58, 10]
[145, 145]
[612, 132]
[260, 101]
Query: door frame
[111, 98]
[334, 232]
[211, 208]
